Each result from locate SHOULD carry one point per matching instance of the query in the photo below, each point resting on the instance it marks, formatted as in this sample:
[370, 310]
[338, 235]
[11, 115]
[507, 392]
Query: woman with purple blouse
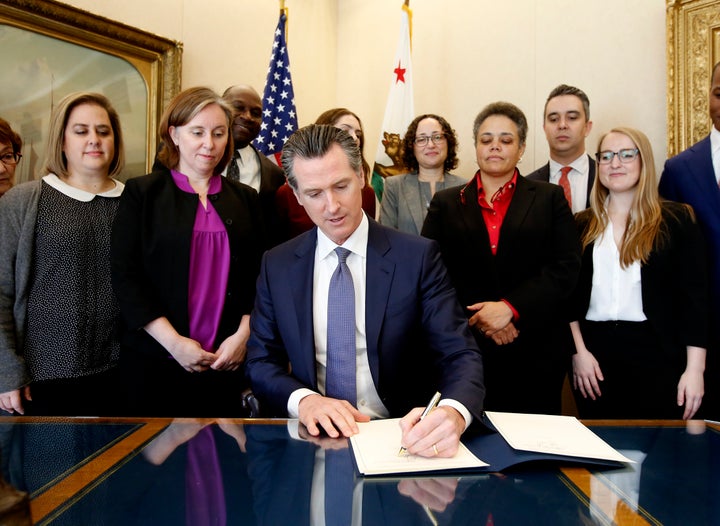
[186, 251]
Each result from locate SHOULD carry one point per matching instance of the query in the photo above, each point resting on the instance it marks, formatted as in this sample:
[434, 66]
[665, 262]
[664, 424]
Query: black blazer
[272, 177]
[538, 256]
[674, 281]
[543, 174]
[150, 253]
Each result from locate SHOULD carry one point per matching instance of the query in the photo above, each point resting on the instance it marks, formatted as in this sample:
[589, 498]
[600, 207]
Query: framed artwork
[693, 47]
[51, 49]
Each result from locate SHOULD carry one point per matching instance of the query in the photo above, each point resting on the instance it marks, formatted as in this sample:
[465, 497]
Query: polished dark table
[95, 471]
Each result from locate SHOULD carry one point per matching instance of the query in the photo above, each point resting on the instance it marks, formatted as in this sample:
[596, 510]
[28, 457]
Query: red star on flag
[400, 72]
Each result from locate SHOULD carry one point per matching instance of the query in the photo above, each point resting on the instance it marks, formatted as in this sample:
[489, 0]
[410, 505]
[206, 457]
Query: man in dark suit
[566, 122]
[410, 335]
[692, 177]
[248, 165]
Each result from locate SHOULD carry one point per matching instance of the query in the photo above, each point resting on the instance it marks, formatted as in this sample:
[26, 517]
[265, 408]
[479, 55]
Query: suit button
[214, 197]
[228, 221]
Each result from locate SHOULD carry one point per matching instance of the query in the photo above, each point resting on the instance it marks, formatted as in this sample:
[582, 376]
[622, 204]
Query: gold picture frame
[50, 49]
[693, 47]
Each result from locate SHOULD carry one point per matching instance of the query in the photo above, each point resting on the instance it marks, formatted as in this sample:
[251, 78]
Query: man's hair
[564, 89]
[505, 109]
[314, 141]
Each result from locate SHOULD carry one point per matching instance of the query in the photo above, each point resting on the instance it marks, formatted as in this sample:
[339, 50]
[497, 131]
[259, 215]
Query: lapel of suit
[591, 180]
[264, 180]
[300, 277]
[545, 173]
[379, 273]
[517, 212]
[704, 173]
[413, 199]
[478, 241]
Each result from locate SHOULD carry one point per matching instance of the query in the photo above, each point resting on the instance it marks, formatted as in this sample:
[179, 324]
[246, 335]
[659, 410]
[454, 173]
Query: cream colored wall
[466, 53]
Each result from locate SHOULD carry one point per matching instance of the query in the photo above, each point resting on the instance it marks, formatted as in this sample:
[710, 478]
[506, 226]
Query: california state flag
[399, 111]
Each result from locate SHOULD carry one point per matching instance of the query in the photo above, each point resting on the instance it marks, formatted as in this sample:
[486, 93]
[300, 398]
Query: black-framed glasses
[10, 158]
[626, 155]
[436, 138]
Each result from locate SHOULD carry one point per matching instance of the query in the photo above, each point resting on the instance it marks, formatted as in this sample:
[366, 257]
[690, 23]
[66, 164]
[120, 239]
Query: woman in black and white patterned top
[58, 346]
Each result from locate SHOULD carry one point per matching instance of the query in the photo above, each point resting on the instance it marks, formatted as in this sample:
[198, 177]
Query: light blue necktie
[340, 374]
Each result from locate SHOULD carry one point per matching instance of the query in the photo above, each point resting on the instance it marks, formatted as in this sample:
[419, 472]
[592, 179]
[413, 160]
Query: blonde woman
[641, 302]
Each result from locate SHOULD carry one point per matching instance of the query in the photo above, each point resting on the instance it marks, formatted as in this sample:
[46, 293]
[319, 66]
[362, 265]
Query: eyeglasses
[422, 140]
[10, 158]
[627, 155]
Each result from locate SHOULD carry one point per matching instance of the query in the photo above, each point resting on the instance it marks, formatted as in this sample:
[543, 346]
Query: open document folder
[553, 435]
[376, 449]
[532, 437]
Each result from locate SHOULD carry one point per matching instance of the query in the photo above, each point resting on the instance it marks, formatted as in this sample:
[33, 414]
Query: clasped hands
[494, 320]
[438, 434]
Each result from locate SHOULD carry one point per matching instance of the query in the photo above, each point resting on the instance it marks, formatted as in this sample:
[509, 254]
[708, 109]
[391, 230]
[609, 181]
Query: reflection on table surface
[202, 472]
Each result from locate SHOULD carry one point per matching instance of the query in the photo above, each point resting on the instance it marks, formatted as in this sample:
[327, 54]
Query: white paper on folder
[376, 449]
[557, 435]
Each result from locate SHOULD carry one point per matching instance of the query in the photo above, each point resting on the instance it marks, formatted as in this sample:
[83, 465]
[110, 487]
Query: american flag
[279, 115]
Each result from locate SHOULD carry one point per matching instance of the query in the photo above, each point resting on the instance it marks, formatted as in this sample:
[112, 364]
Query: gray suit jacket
[403, 207]
[543, 174]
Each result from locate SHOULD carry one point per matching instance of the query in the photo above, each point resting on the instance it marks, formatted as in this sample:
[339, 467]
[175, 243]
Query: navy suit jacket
[543, 174]
[689, 178]
[417, 335]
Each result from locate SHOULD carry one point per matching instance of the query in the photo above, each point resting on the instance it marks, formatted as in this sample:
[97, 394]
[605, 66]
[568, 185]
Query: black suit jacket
[538, 256]
[674, 282]
[272, 177]
[543, 174]
[150, 262]
[535, 270]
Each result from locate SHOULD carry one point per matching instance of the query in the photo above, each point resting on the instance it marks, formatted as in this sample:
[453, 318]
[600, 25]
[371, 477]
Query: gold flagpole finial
[284, 11]
[406, 8]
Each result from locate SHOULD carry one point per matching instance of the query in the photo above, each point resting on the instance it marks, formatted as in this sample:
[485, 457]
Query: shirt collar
[183, 183]
[714, 140]
[505, 192]
[581, 164]
[78, 194]
[356, 243]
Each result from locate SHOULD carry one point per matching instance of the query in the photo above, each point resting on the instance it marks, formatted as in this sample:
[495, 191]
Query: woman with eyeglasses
[291, 215]
[58, 314]
[641, 305]
[429, 152]
[513, 254]
[10, 147]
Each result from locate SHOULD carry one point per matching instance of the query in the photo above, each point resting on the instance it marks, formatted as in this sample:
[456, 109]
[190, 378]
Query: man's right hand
[335, 417]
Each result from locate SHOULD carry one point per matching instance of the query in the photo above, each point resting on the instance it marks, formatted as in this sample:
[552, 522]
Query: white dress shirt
[368, 400]
[616, 292]
[715, 150]
[249, 166]
[578, 178]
